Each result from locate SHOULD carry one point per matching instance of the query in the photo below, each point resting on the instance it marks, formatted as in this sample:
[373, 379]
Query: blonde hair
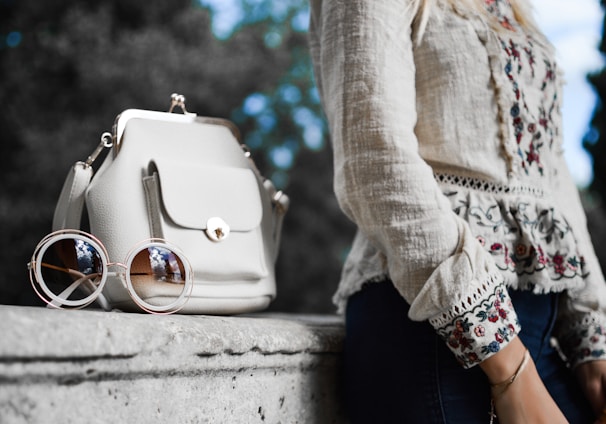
[522, 12]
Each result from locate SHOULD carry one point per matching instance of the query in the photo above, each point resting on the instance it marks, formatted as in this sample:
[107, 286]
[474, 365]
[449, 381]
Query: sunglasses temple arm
[67, 292]
[100, 299]
[85, 282]
[103, 303]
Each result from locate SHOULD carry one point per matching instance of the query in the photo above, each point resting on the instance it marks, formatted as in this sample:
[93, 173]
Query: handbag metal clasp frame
[178, 100]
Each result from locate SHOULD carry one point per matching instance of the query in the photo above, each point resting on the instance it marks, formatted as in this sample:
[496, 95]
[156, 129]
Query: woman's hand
[526, 400]
[592, 377]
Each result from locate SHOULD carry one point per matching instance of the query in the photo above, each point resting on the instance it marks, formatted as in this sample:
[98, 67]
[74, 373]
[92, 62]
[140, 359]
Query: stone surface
[97, 367]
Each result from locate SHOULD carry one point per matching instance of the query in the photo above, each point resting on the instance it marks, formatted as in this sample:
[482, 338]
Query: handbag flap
[192, 194]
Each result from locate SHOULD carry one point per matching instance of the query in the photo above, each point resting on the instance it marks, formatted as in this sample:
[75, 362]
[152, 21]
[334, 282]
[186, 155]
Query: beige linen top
[448, 157]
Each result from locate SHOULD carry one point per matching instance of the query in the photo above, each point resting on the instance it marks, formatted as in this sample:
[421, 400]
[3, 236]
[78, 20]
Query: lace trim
[480, 293]
[487, 186]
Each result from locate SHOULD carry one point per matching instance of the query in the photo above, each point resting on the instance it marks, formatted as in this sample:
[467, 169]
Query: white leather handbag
[188, 180]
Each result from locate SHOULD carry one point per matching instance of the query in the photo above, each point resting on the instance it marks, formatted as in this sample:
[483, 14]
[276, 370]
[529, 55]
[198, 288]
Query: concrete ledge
[97, 367]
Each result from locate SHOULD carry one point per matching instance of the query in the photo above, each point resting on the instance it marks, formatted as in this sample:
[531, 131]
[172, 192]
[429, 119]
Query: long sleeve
[581, 324]
[363, 53]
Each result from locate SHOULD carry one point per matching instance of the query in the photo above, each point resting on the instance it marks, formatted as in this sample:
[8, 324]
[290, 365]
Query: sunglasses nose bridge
[117, 270]
[117, 264]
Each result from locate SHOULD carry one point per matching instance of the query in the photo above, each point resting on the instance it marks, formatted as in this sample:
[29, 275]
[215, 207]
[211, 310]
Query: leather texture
[166, 178]
[68, 212]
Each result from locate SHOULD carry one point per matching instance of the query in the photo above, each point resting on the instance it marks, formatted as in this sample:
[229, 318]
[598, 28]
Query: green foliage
[67, 68]
[285, 119]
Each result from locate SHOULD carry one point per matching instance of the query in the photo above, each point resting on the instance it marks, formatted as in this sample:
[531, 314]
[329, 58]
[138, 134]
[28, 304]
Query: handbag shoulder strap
[280, 203]
[68, 212]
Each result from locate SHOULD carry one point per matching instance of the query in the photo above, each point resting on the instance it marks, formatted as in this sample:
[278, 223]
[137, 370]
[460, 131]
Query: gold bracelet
[505, 384]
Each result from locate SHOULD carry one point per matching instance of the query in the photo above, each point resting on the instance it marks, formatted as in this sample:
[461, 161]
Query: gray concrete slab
[97, 367]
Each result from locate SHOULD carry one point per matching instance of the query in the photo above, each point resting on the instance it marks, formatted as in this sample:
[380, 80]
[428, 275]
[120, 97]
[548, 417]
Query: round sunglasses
[70, 268]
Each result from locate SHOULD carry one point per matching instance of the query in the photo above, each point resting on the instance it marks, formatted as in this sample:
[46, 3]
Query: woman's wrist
[504, 364]
[498, 389]
[518, 394]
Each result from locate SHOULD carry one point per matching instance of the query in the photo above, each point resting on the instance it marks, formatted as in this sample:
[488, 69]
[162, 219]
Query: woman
[472, 246]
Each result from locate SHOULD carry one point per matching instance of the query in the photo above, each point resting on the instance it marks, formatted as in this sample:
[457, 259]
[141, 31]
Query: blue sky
[575, 28]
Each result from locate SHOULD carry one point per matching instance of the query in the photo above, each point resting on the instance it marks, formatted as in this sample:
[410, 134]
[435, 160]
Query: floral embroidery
[528, 257]
[530, 57]
[496, 8]
[521, 113]
[593, 335]
[585, 342]
[531, 259]
[532, 123]
[522, 238]
[481, 331]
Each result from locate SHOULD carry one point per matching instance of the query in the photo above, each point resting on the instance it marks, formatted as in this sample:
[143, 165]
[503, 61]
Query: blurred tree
[67, 68]
[595, 143]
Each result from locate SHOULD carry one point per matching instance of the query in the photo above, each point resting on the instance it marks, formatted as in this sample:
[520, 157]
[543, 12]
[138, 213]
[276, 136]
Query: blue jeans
[400, 371]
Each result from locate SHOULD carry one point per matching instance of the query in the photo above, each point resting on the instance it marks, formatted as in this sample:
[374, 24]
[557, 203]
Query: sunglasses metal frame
[58, 301]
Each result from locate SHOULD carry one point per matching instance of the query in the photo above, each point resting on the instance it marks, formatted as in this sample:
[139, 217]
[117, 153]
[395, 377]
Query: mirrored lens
[158, 277]
[71, 271]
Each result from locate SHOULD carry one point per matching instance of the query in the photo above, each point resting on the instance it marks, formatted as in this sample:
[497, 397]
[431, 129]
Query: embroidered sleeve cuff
[485, 325]
[584, 340]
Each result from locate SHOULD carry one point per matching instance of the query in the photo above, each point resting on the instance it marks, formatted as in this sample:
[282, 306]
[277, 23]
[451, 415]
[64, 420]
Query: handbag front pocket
[213, 213]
